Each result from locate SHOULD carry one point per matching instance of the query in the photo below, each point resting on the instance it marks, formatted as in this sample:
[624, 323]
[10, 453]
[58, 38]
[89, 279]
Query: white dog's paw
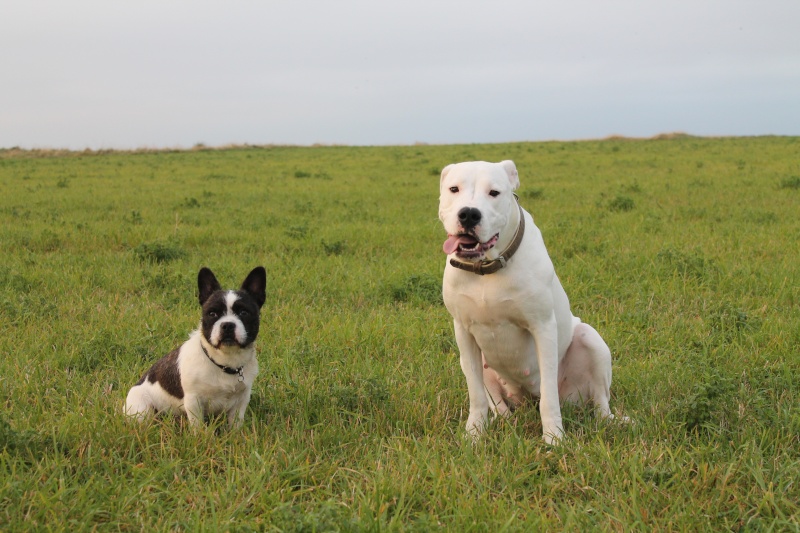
[552, 434]
[476, 426]
[551, 440]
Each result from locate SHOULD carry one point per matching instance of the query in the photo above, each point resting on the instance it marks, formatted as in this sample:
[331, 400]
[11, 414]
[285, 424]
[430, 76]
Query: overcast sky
[160, 73]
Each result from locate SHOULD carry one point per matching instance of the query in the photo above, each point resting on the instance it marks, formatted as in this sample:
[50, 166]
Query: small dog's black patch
[248, 309]
[165, 372]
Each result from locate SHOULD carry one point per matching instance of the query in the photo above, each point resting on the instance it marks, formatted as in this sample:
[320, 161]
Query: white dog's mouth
[467, 246]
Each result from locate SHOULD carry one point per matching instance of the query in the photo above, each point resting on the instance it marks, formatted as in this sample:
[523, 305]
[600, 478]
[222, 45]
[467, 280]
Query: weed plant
[681, 251]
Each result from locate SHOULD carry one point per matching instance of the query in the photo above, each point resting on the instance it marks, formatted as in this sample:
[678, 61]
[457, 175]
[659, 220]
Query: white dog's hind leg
[495, 389]
[585, 373]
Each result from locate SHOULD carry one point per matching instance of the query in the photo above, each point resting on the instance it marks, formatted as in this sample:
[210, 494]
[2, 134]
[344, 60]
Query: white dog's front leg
[472, 366]
[545, 335]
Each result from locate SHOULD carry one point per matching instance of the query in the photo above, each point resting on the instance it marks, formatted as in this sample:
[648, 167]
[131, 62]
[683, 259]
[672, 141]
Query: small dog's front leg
[194, 410]
[236, 414]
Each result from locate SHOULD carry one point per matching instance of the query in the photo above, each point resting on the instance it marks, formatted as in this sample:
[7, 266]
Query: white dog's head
[475, 200]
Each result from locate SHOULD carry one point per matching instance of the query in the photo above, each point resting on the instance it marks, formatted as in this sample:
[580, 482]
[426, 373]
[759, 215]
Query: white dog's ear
[445, 170]
[511, 170]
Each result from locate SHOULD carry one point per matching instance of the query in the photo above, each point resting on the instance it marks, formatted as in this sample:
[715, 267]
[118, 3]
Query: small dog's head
[231, 318]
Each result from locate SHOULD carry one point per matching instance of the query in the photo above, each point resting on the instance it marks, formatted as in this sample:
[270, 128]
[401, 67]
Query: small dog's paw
[620, 419]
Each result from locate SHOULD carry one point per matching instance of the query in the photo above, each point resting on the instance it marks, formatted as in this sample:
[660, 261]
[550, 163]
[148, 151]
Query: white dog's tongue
[451, 244]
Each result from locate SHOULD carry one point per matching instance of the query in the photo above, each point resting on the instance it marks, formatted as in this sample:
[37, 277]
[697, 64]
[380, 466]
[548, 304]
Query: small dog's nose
[469, 217]
[228, 326]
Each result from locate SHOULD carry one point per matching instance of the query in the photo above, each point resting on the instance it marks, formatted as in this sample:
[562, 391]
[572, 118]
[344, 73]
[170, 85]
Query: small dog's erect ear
[255, 284]
[511, 170]
[207, 284]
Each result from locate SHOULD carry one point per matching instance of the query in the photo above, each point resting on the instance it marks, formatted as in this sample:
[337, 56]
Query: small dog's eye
[243, 312]
[494, 193]
[454, 189]
[213, 314]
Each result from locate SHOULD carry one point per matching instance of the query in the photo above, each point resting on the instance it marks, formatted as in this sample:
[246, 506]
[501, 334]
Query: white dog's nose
[469, 217]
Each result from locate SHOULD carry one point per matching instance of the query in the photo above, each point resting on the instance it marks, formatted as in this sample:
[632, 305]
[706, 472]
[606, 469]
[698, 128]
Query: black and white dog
[212, 372]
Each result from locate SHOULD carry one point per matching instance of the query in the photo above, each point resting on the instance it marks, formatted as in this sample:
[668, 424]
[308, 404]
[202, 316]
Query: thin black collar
[226, 369]
[491, 266]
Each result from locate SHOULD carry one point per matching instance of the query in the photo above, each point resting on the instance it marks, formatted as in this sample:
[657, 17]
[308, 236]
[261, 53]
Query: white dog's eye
[213, 314]
[494, 193]
[454, 189]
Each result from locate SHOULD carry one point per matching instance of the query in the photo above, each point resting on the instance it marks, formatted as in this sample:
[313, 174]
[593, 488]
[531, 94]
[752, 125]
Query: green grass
[682, 252]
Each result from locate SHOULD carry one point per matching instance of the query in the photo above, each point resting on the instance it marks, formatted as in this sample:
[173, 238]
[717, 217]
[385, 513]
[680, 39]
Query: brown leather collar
[490, 267]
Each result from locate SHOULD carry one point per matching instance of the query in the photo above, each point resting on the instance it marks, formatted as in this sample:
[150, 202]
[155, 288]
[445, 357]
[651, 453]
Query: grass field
[683, 252]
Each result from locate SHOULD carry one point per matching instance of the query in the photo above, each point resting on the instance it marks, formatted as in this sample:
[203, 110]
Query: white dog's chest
[499, 327]
[510, 351]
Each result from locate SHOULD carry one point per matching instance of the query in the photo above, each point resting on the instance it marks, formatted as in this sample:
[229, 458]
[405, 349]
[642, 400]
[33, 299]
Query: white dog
[512, 318]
